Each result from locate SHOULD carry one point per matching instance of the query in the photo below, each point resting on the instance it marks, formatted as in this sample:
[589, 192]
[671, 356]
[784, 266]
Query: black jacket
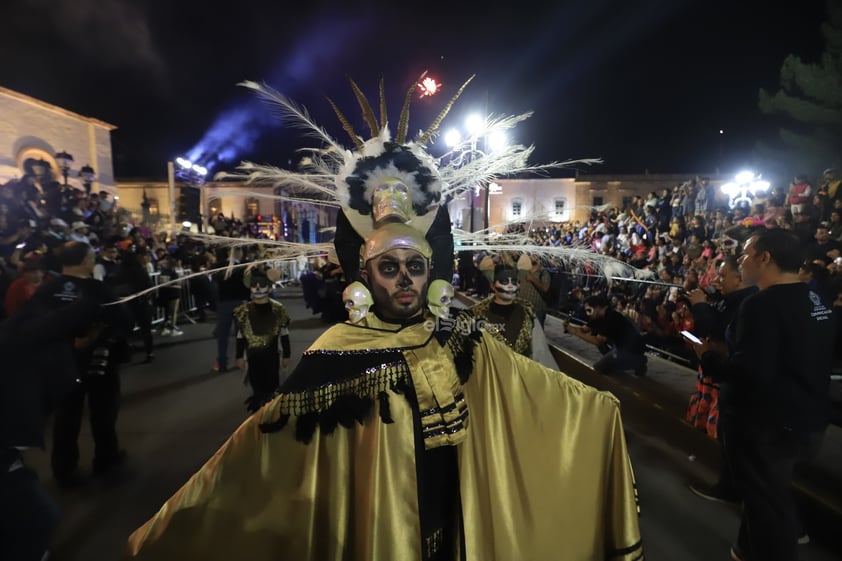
[777, 372]
[39, 367]
[711, 320]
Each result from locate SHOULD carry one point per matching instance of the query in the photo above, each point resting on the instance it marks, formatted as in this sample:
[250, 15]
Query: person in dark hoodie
[38, 374]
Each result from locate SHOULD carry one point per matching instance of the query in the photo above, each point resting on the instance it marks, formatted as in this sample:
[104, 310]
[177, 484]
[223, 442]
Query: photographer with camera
[614, 334]
[98, 350]
[38, 375]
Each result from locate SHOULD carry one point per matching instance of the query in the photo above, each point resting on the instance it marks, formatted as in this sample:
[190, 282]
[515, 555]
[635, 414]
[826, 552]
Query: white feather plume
[288, 109]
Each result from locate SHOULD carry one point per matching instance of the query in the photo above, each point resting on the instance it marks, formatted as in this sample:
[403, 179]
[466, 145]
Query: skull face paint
[260, 288]
[505, 285]
[398, 280]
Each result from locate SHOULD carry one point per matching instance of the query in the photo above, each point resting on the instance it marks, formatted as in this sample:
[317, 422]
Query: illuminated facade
[32, 130]
[557, 200]
[149, 203]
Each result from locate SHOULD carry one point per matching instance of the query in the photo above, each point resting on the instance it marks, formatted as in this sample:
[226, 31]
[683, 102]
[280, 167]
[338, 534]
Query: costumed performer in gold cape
[407, 433]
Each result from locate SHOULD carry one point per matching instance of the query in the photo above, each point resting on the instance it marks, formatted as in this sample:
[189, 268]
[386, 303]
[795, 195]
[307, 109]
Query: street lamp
[87, 175]
[745, 186]
[477, 130]
[64, 160]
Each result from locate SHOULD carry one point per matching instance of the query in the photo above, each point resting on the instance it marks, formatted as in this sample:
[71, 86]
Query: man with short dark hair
[774, 381]
[97, 356]
[619, 341]
[823, 248]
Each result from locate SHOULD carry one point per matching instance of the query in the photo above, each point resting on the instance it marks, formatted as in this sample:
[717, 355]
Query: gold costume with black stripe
[327, 471]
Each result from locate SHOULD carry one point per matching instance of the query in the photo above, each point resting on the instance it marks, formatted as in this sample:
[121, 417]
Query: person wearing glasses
[616, 337]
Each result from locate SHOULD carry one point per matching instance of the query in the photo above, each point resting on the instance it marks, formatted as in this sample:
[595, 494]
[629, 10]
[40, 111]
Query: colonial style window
[516, 208]
[560, 205]
[252, 207]
[598, 201]
[627, 201]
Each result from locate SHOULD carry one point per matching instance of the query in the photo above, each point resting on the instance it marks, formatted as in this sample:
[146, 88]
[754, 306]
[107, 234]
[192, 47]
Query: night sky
[643, 85]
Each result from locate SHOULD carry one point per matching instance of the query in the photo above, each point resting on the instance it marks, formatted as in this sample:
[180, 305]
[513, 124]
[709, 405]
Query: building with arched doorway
[34, 132]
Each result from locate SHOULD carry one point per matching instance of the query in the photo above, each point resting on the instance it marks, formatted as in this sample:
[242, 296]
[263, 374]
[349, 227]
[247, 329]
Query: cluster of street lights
[466, 150]
[746, 185]
[86, 172]
[194, 173]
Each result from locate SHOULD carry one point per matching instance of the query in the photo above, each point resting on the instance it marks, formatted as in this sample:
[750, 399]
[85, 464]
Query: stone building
[32, 130]
[151, 202]
[558, 199]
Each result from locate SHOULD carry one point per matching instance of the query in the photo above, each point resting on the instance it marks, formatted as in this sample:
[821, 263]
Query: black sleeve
[750, 359]
[287, 350]
[705, 322]
[116, 316]
[241, 348]
[42, 325]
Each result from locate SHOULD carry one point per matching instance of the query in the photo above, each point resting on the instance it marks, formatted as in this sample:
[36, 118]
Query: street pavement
[176, 413]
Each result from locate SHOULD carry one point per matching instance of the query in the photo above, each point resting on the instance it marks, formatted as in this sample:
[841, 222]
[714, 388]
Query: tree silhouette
[810, 100]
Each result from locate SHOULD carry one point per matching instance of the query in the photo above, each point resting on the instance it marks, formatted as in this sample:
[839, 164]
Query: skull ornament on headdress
[357, 300]
[387, 179]
[439, 298]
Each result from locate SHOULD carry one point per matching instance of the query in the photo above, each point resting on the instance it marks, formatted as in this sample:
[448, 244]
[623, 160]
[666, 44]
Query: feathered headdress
[386, 178]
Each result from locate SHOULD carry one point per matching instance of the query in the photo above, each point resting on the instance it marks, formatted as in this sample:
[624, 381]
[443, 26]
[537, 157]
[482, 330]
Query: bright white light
[759, 186]
[744, 177]
[721, 131]
[497, 141]
[730, 189]
[452, 138]
[199, 169]
[474, 124]
[187, 224]
[494, 188]
[116, 197]
[186, 164]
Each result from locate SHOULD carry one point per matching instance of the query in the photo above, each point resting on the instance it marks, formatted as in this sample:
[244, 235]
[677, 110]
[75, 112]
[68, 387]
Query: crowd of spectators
[678, 234]
[681, 236]
[38, 215]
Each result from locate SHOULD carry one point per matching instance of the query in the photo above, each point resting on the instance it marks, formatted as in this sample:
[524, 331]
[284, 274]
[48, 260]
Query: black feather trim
[306, 427]
[274, 426]
[328, 420]
[462, 344]
[361, 408]
[385, 410]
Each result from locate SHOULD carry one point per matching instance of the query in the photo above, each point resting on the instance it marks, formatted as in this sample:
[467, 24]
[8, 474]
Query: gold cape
[543, 469]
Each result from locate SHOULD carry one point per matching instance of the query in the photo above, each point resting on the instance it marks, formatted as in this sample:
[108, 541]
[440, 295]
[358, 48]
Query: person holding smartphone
[711, 320]
[774, 376]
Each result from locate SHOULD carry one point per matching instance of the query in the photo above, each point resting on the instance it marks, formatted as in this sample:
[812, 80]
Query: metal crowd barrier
[186, 306]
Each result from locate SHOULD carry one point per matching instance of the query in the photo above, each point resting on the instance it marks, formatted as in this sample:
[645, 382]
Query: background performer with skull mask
[261, 322]
[513, 319]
